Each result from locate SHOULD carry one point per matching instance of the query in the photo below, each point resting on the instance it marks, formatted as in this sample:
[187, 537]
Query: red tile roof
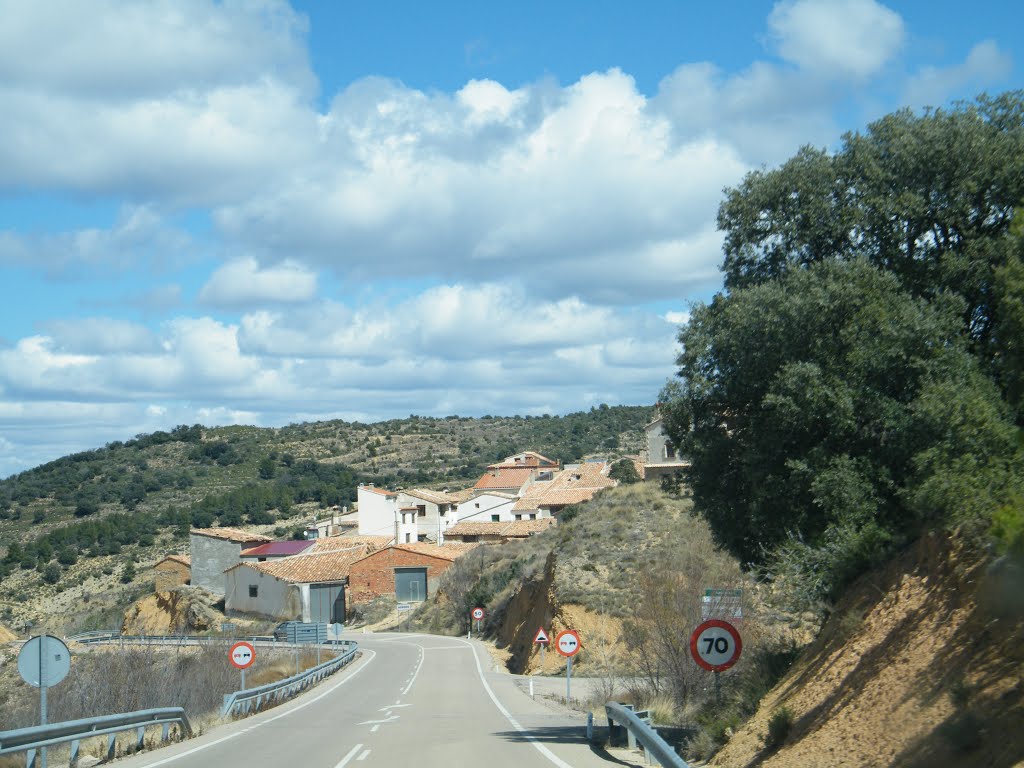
[278, 548]
[505, 477]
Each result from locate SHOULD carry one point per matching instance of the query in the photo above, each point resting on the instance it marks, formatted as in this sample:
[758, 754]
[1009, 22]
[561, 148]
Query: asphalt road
[411, 700]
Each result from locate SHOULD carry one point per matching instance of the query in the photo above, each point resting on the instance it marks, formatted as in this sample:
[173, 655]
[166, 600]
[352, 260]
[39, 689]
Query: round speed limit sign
[478, 614]
[716, 645]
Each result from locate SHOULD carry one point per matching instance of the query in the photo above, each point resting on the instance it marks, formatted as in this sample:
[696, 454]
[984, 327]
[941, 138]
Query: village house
[305, 587]
[214, 550]
[661, 458]
[497, 532]
[173, 571]
[493, 506]
[408, 572]
[575, 484]
[377, 509]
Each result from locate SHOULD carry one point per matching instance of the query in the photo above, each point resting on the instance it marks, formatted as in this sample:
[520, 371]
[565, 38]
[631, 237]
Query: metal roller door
[327, 603]
[410, 585]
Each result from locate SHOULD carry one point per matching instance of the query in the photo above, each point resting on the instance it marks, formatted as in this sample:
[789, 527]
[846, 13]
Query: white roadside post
[568, 644]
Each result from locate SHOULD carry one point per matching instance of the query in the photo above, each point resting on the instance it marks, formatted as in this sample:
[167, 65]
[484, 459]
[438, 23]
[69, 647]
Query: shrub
[51, 573]
[779, 726]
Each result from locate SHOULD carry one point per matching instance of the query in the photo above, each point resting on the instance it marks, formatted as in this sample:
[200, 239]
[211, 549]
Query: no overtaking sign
[242, 655]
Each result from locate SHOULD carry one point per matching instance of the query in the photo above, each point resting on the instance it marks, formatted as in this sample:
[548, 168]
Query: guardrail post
[590, 726]
[111, 743]
[30, 758]
[140, 738]
[166, 733]
[73, 762]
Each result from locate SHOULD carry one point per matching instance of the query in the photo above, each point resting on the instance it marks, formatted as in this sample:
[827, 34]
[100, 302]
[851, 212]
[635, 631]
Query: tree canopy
[930, 198]
[855, 381]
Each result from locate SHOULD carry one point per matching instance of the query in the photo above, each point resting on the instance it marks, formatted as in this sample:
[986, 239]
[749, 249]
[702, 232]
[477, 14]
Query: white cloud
[676, 318]
[98, 335]
[566, 193]
[139, 238]
[836, 38]
[243, 283]
[124, 49]
[933, 86]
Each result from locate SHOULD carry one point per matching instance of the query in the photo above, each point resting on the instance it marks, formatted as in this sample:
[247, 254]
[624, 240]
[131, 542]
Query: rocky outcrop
[176, 611]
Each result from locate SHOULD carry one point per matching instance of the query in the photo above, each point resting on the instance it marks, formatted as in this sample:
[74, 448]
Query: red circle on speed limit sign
[716, 645]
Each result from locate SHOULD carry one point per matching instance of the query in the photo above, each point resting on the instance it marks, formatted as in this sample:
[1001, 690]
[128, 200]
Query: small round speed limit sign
[478, 614]
[716, 645]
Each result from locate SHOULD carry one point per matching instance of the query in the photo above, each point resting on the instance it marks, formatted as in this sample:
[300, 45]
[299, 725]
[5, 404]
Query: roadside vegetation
[859, 381]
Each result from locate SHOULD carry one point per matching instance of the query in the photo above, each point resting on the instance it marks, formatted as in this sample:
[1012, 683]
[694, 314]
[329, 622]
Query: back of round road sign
[48, 671]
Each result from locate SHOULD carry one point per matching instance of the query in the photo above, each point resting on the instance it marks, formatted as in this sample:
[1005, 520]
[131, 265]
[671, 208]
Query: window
[478, 505]
[495, 518]
[254, 590]
[519, 517]
[421, 510]
[408, 538]
[533, 516]
[421, 537]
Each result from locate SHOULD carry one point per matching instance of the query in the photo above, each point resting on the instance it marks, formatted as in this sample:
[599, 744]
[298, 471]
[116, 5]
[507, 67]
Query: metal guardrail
[29, 740]
[251, 698]
[92, 634]
[98, 639]
[640, 731]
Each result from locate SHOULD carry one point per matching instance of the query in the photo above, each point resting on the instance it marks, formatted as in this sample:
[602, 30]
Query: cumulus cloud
[243, 283]
[570, 191]
[836, 38]
[117, 49]
[139, 238]
[99, 335]
[933, 86]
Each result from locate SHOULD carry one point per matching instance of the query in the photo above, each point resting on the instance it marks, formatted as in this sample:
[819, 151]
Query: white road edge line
[363, 756]
[303, 705]
[416, 673]
[349, 756]
[515, 724]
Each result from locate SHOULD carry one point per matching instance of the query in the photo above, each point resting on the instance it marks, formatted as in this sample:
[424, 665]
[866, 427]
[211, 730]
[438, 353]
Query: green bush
[779, 726]
[51, 573]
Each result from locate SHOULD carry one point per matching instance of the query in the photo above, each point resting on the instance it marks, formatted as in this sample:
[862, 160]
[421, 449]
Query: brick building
[409, 572]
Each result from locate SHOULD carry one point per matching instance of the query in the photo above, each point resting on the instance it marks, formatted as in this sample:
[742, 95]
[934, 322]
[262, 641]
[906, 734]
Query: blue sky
[263, 213]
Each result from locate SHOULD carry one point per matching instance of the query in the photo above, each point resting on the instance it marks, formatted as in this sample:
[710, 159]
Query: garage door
[327, 603]
[410, 585]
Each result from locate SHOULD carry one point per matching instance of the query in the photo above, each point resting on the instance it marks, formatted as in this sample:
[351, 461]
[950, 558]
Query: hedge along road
[419, 700]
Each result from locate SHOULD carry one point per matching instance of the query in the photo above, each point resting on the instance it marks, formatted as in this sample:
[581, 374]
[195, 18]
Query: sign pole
[542, 647]
[568, 679]
[42, 691]
[243, 678]
[718, 689]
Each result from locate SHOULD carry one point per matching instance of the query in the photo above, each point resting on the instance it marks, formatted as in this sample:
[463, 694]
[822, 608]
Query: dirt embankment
[6, 636]
[535, 605]
[922, 664]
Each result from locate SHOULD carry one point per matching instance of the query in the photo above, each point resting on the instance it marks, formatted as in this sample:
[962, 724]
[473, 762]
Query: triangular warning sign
[541, 636]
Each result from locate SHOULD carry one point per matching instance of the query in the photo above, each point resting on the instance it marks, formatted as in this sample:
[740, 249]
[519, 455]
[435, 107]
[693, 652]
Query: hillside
[87, 525]
[921, 664]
